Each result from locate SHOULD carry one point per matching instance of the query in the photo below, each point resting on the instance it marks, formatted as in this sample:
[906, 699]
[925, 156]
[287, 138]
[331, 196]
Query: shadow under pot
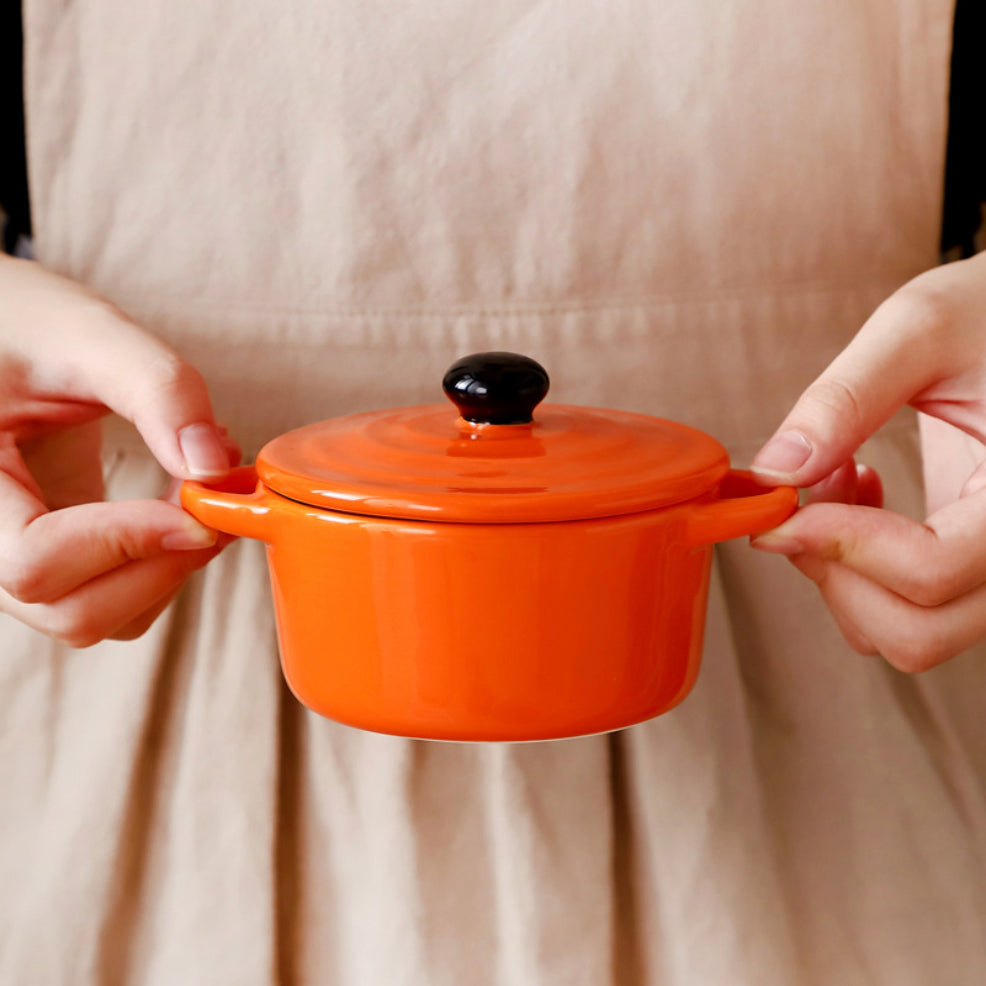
[497, 571]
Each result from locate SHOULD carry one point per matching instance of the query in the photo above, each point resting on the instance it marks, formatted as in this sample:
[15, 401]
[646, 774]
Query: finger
[837, 487]
[165, 397]
[141, 624]
[66, 464]
[28, 495]
[976, 483]
[819, 571]
[927, 564]
[234, 454]
[99, 609]
[869, 487]
[44, 555]
[94, 354]
[172, 493]
[912, 638]
[816, 569]
[850, 483]
[897, 353]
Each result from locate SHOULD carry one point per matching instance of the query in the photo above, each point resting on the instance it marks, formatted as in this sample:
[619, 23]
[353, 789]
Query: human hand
[912, 592]
[72, 566]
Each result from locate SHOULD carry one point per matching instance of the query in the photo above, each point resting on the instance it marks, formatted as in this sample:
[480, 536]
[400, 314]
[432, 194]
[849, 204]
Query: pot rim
[424, 463]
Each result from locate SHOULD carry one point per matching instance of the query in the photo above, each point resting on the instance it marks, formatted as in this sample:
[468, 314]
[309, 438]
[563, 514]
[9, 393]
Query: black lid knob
[496, 388]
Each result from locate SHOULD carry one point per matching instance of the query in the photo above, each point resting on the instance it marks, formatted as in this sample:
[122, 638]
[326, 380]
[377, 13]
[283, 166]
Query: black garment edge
[13, 153]
[965, 154]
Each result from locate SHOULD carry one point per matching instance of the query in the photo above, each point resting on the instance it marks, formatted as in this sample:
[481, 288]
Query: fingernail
[189, 537]
[778, 544]
[203, 451]
[783, 454]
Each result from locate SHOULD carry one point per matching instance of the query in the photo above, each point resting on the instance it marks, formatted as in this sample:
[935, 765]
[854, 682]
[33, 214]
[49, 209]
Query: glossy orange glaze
[464, 631]
[424, 463]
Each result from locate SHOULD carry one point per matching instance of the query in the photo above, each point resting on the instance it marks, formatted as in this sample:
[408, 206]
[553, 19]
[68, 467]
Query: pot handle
[744, 507]
[238, 504]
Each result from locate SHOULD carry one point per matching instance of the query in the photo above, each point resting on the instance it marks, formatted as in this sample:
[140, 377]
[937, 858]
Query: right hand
[71, 565]
[913, 592]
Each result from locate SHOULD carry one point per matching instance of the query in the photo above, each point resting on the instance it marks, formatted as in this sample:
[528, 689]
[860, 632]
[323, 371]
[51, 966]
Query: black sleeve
[13, 156]
[965, 161]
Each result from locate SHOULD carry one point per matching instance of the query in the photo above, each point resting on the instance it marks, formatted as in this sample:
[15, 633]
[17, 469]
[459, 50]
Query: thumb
[166, 398]
[83, 349]
[891, 360]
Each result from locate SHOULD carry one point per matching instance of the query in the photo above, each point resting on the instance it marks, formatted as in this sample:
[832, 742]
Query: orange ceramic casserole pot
[496, 573]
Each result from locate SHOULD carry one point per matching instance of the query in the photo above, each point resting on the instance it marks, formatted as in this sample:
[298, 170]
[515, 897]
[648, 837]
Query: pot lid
[496, 461]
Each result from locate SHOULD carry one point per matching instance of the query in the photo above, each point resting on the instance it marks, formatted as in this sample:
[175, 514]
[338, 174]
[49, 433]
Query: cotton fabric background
[682, 208]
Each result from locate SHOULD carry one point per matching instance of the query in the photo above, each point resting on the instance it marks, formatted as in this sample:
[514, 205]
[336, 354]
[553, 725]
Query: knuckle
[136, 629]
[856, 641]
[831, 397]
[80, 639]
[916, 653]
[123, 544]
[937, 574]
[840, 546]
[75, 626]
[95, 311]
[932, 587]
[27, 581]
[922, 306]
[826, 529]
[169, 375]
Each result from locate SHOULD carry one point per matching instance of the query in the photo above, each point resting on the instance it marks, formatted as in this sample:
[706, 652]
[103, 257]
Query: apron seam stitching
[526, 309]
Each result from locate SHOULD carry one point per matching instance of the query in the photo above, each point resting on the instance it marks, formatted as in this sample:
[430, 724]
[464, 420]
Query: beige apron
[683, 208]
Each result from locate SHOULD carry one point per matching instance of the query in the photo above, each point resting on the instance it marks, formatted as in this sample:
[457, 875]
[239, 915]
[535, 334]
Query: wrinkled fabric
[682, 208]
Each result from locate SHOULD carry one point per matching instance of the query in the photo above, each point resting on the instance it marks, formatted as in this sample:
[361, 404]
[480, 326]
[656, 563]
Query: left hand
[912, 592]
